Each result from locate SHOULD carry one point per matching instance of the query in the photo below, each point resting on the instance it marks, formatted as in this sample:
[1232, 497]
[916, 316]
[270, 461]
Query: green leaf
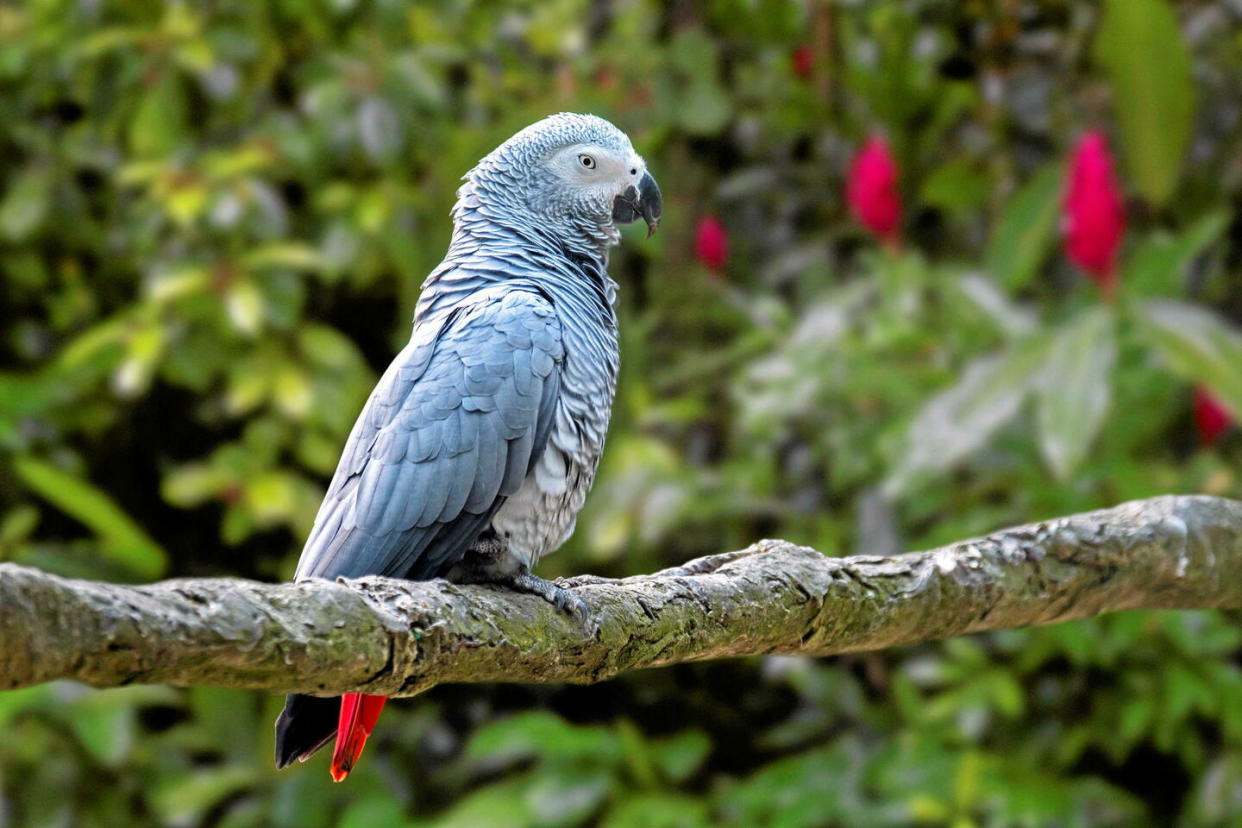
[542, 734]
[499, 805]
[245, 306]
[806, 789]
[1009, 319]
[1217, 798]
[107, 731]
[955, 185]
[106, 723]
[25, 204]
[1158, 266]
[14, 702]
[124, 541]
[283, 254]
[186, 797]
[159, 124]
[658, 811]
[959, 420]
[18, 523]
[1026, 230]
[372, 811]
[379, 128]
[1075, 391]
[1199, 346]
[1141, 46]
[566, 794]
[681, 755]
[705, 108]
[702, 106]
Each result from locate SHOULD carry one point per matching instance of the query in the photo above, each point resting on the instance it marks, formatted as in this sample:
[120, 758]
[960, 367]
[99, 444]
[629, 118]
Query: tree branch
[400, 638]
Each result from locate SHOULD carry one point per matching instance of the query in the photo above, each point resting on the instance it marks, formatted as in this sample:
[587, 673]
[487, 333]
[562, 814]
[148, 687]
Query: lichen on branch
[400, 638]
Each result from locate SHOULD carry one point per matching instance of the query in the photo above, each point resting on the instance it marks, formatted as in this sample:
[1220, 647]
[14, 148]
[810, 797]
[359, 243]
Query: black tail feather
[305, 725]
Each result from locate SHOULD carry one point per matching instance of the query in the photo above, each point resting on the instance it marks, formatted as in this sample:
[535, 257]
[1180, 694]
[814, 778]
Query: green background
[214, 219]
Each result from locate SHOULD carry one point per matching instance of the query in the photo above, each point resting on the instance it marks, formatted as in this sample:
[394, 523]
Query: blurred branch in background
[401, 638]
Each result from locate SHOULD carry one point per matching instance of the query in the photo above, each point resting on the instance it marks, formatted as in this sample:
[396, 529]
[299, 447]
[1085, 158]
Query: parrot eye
[587, 161]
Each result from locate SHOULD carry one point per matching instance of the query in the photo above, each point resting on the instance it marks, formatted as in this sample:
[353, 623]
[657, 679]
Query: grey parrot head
[569, 169]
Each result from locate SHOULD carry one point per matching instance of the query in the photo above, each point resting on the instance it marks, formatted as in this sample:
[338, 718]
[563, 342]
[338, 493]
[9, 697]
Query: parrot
[476, 449]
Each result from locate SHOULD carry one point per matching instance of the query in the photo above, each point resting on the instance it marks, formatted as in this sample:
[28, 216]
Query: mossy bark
[399, 638]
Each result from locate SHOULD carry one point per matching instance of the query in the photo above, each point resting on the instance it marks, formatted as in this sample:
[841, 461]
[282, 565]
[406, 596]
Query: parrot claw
[559, 597]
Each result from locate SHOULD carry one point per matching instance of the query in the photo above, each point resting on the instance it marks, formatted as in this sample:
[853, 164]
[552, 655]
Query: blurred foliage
[214, 219]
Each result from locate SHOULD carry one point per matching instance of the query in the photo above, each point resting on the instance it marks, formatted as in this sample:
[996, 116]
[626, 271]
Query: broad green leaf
[185, 202]
[227, 717]
[23, 396]
[566, 794]
[1158, 266]
[245, 306]
[133, 375]
[107, 731]
[1141, 46]
[302, 799]
[379, 128]
[158, 126]
[1076, 389]
[328, 348]
[542, 734]
[373, 811]
[1199, 346]
[14, 702]
[1026, 230]
[658, 810]
[805, 789]
[292, 393]
[192, 484]
[108, 334]
[270, 496]
[1009, 319]
[679, 756]
[1217, 798]
[124, 541]
[185, 799]
[499, 805]
[106, 723]
[705, 109]
[959, 420]
[18, 523]
[955, 185]
[25, 203]
[283, 254]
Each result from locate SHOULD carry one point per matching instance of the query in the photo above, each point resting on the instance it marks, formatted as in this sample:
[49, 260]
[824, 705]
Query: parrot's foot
[489, 562]
[559, 597]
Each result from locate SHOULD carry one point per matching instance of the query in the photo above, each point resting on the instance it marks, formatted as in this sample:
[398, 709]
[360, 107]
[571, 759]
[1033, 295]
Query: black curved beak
[640, 201]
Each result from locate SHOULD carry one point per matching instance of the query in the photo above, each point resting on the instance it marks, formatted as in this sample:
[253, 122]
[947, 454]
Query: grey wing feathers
[452, 429]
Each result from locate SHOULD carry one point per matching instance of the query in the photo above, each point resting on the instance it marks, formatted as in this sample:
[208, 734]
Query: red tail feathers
[359, 713]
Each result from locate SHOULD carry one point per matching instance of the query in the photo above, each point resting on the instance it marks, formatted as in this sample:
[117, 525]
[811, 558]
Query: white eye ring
[587, 161]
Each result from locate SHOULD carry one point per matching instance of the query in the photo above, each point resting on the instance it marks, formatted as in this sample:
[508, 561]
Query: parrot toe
[559, 597]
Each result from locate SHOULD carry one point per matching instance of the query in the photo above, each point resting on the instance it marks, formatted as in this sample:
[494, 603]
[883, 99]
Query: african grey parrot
[476, 449]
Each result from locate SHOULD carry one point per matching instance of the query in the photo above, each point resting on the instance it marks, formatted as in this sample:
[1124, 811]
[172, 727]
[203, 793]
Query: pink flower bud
[711, 243]
[1095, 217]
[803, 61]
[871, 190]
[1212, 419]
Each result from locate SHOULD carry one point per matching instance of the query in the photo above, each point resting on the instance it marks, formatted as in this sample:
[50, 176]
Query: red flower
[1095, 217]
[1211, 417]
[871, 190]
[711, 243]
[803, 61]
